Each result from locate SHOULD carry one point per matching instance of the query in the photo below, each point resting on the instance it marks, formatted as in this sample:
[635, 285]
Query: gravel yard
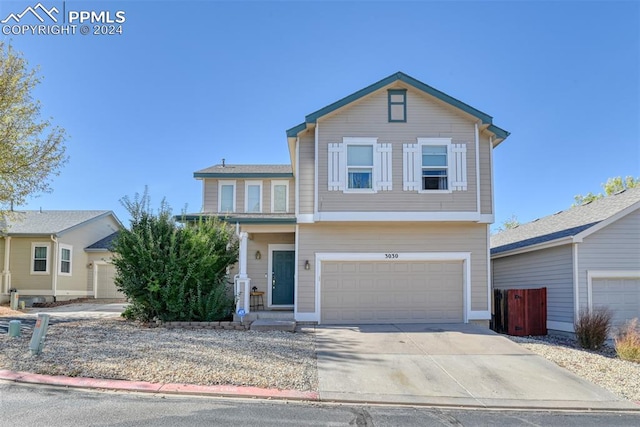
[116, 349]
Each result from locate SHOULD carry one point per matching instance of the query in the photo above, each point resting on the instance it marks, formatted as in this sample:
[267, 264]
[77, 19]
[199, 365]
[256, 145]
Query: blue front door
[282, 277]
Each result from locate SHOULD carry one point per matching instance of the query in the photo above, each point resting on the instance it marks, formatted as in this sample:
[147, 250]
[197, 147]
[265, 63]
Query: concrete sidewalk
[447, 365]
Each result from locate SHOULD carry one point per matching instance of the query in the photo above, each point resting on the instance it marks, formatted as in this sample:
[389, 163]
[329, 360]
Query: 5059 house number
[391, 256]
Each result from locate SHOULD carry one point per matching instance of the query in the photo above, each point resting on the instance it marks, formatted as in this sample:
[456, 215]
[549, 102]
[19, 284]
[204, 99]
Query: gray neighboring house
[586, 256]
[58, 255]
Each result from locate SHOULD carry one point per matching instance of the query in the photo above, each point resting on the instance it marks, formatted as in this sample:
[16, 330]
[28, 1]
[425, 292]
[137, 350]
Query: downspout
[6, 272]
[54, 273]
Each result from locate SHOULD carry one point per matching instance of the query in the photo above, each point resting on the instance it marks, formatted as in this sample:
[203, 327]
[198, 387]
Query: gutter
[54, 271]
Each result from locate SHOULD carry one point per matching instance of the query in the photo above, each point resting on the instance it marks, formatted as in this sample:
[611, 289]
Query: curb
[148, 387]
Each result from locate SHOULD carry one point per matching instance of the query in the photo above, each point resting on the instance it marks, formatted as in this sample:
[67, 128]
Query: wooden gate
[520, 312]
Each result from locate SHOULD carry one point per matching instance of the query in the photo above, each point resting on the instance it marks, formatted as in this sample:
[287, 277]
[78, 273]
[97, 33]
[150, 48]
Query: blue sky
[190, 83]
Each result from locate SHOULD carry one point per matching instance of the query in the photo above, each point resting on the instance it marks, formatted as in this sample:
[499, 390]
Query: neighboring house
[59, 255]
[382, 216]
[586, 256]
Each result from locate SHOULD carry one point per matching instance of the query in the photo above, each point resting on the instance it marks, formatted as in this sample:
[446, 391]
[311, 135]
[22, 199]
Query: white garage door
[391, 292]
[621, 295]
[105, 286]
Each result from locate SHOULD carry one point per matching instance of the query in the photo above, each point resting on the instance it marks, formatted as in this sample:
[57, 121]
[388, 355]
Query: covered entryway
[103, 275]
[392, 292]
[621, 295]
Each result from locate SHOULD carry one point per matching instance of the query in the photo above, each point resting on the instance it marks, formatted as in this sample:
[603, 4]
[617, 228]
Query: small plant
[627, 341]
[592, 327]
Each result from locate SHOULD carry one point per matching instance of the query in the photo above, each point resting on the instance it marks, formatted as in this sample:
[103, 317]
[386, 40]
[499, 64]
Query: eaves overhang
[252, 175]
[235, 220]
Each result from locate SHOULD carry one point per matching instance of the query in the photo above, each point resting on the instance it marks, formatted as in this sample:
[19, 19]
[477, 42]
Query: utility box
[15, 297]
[520, 312]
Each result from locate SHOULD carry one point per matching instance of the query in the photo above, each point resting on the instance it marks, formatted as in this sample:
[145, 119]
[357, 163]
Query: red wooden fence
[520, 311]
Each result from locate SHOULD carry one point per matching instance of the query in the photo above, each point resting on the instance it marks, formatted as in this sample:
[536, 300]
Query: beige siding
[426, 117]
[210, 194]
[486, 193]
[20, 265]
[551, 268]
[392, 237]
[306, 173]
[615, 247]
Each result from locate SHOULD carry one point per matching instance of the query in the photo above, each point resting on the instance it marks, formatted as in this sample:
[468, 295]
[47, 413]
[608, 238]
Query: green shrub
[627, 341]
[592, 327]
[172, 272]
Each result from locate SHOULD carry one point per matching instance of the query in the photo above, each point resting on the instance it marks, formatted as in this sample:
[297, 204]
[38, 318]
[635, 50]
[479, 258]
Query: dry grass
[627, 341]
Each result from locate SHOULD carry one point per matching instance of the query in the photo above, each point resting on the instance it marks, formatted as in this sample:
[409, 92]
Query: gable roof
[245, 171]
[47, 222]
[576, 222]
[486, 119]
[104, 244]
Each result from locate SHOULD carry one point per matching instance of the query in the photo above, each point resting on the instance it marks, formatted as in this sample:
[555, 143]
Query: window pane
[39, 265]
[359, 155]
[40, 252]
[397, 112]
[434, 155]
[253, 198]
[434, 179]
[65, 267]
[360, 178]
[280, 198]
[66, 255]
[399, 97]
[226, 198]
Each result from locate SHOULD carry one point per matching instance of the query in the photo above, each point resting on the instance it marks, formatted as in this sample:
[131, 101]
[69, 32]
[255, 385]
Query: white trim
[544, 245]
[62, 246]
[279, 247]
[465, 257]
[315, 167]
[493, 198]
[220, 184]
[560, 326]
[304, 218]
[296, 180]
[403, 216]
[375, 164]
[6, 271]
[295, 272]
[576, 281]
[204, 193]
[606, 274]
[277, 182]
[35, 245]
[247, 184]
[450, 159]
[477, 138]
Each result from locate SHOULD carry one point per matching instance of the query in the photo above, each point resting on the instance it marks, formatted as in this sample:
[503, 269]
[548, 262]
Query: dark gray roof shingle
[246, 169]
[564, 223]
[105, 243]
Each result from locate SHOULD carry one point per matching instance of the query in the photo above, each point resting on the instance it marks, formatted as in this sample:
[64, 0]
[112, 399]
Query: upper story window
[253, 197]
[434, 165]
[65, 259]
[40, 258]
[397, 105]
[226, 196]
[279, 196]
[360, 167]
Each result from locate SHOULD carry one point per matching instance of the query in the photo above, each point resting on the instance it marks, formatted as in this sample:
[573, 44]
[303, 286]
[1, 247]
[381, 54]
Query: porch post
[244, 282]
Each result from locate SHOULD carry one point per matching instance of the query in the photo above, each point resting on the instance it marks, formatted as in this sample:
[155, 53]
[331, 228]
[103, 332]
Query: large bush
[173, 272]
[592, 327]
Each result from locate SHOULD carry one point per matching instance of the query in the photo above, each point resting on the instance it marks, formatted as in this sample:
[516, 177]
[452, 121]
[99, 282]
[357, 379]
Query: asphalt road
[28, 405]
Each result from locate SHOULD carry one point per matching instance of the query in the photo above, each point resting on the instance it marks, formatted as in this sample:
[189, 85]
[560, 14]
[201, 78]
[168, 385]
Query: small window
[253, 190]
[279, 196]
[227, 195]
[434, 167]
[40, 261]
[65, 260]
[397, 105]
[360, 167]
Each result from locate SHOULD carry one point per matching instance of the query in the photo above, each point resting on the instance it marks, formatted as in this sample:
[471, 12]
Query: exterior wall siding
[210, 193]
[391, 237]
[551, 268]
[425, 118]
[20, 265]
[615, 247]
[306, 173]
[486, 186]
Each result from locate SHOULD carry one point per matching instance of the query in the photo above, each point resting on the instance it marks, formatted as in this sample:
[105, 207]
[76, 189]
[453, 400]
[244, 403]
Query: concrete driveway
[446, 364]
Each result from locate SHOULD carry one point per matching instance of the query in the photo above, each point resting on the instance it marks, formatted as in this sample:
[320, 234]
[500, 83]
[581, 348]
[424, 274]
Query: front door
[282, 277]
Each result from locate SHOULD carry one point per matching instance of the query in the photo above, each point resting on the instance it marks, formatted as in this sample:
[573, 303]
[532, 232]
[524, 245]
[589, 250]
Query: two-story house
[382, 216]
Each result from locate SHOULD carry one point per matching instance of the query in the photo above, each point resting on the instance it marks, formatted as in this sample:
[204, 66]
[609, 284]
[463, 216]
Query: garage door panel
[391, 292]
[621, 295]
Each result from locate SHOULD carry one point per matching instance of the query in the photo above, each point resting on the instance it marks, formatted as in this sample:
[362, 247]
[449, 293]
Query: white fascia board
[602, 224]
[402, 216]
[533, 248]
[304, 218]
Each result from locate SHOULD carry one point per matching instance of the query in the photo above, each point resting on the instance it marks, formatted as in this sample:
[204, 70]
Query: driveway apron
[446, 364]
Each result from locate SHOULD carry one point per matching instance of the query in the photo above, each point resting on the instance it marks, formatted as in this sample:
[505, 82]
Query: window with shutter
[359, 165]
[434, 165]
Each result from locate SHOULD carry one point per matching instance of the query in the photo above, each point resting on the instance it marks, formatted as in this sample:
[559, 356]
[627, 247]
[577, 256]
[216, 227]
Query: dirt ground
[6, 311]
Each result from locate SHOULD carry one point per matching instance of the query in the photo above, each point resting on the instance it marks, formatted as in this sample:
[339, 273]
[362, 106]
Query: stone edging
[237, 326]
